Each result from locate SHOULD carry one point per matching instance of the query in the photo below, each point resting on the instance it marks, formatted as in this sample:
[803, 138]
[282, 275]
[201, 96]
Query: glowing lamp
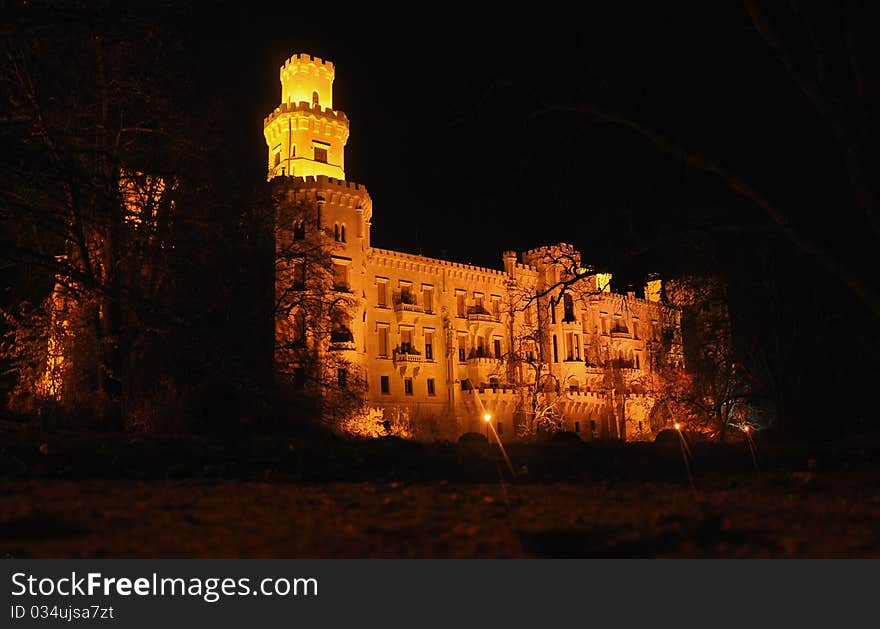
[487, 417]
[677, 426]
[747, 428]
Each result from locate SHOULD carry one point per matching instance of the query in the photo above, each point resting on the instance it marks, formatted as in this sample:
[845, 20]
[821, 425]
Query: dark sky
[443, 133]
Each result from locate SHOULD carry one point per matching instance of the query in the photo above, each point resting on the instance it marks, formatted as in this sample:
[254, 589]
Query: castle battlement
[493, 275]
[324, 180]
[303, 62]
[306, 107]
[560, 248]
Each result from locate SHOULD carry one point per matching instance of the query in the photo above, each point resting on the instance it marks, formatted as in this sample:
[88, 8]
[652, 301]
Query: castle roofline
[462, 266]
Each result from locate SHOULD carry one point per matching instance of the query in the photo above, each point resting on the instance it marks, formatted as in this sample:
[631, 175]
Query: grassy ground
[73, 495]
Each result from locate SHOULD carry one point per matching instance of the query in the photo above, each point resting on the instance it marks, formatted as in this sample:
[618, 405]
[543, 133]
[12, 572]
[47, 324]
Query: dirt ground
[781, 514]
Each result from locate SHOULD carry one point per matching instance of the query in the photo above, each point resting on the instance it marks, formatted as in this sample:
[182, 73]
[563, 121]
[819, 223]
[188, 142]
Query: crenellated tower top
[304, 76]
[305, 136]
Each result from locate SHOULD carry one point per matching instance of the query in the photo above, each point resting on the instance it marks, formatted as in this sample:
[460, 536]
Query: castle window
[342, 233]
[384, 385]
[460, 303]
[383, 341]
[428, 298]
[429, 345]
[315, 100]
[496, 305]
[406, 294]
[568, 308]
[382, 293]
[431, 388]
[277, 159]
[407, 386]
[299, 378]
[336, 232]
[406, 340]
[462, 341]
[340, 277]
[500, 429]
[299, 230]
[299, 274]
[299, 328]
[552, 312]
[496, 347]
[555, 350]
[321, 154]
[478, 303]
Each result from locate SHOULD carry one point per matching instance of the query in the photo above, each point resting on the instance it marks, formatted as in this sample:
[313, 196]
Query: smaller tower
[305, 136]
[653, 288]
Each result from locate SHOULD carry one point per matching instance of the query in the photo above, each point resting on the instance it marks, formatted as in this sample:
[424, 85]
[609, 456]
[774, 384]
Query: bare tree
[108, 199]
[561, 286]
[825, 58]
[313, 311]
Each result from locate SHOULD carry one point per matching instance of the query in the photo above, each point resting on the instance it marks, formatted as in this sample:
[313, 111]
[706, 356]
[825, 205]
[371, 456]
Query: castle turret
[305, 135]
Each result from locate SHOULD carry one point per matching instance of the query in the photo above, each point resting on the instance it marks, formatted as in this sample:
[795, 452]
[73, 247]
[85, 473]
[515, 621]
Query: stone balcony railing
[406, 302]
[476, 313]
[406, 355]
[482, 361]
[342, 346]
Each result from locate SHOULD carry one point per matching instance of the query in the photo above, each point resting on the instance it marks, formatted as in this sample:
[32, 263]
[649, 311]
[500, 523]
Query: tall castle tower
[305, 135]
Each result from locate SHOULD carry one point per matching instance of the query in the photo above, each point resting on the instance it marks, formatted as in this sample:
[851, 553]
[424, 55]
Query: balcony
[406, 354]
[406, 302]
[621, 363]
[620, 332]
[341, 340]
[481, 357]
[479, 313]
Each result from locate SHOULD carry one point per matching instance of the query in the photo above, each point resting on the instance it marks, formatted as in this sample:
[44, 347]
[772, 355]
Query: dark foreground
[783, 515]
[69, 495]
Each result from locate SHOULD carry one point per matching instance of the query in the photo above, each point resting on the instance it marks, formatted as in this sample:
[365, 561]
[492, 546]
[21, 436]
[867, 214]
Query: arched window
[299, 230]
[342, 232]
[314, 99]
[336, 232]
[299, 328]
[568, 306]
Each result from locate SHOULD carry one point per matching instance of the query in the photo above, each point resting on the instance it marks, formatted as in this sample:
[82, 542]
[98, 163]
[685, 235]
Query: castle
[448, 348]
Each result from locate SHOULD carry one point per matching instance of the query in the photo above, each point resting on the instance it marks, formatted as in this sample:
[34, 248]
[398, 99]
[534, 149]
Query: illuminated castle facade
[442, 345]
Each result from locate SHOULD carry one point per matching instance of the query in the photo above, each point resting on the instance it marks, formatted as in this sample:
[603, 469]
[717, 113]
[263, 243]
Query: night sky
[445, 137]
